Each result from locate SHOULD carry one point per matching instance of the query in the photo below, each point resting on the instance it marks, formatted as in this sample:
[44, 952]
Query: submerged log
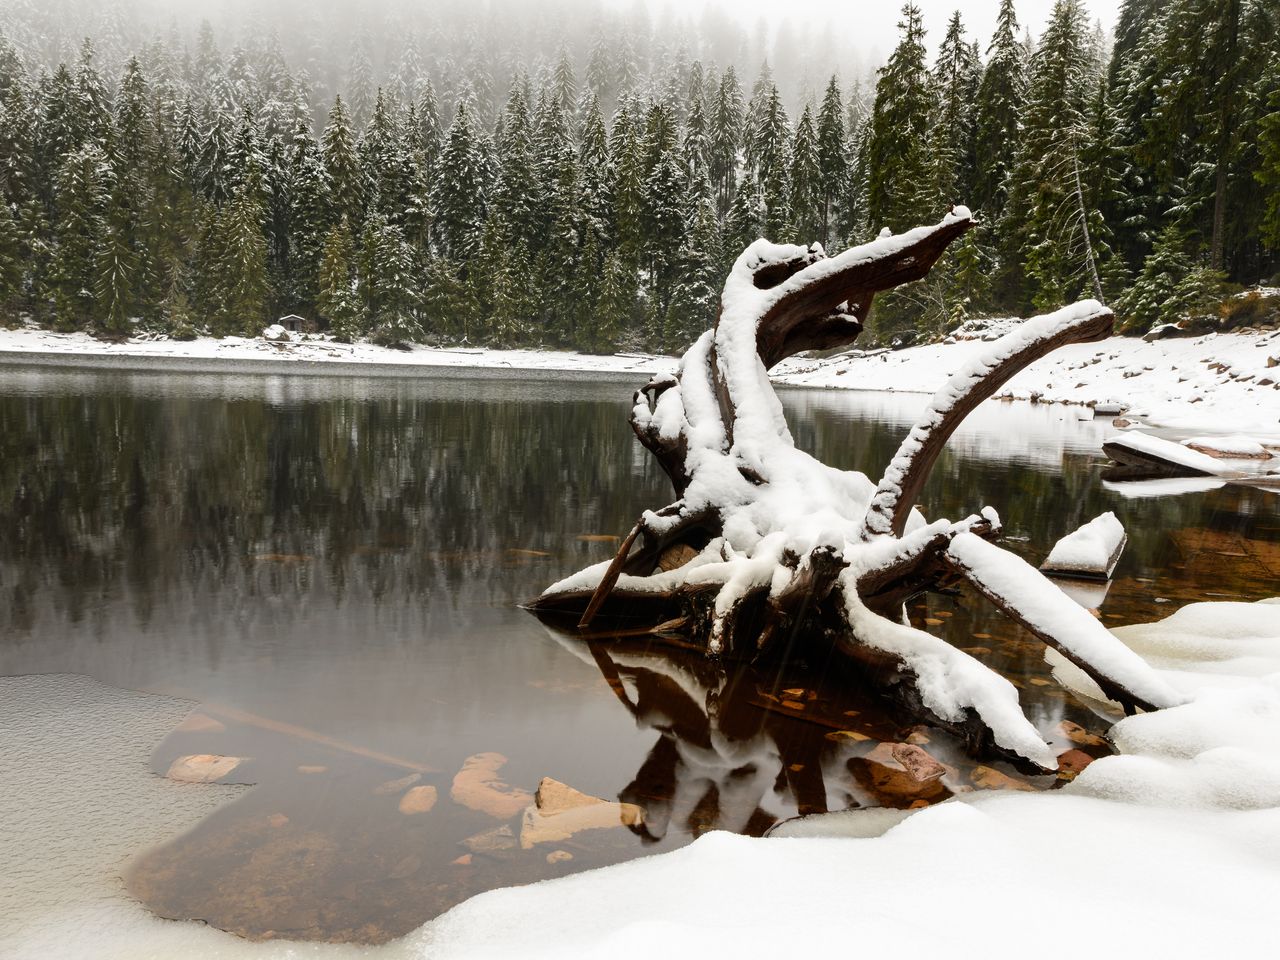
[766, 546]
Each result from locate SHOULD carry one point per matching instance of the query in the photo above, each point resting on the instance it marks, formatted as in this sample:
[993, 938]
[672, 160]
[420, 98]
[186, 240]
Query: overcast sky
[873, 23]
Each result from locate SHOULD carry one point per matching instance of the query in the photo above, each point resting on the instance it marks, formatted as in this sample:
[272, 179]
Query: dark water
[332, 567]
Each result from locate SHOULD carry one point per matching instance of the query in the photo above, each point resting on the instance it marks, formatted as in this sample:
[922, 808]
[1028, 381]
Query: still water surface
[332, 569]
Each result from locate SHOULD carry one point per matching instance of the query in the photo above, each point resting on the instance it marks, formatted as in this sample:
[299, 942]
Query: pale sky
[872, 24]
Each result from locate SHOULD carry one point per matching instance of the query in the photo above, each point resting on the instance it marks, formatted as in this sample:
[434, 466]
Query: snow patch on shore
[1216, 383]
[320, 349]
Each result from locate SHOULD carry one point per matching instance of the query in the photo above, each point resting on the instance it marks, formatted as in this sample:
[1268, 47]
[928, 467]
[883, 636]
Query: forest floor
[1222, 382]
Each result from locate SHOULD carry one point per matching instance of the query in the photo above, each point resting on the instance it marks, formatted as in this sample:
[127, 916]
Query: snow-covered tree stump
[764, 545]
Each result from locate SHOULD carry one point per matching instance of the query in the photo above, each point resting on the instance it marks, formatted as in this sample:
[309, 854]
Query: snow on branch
[978, 380]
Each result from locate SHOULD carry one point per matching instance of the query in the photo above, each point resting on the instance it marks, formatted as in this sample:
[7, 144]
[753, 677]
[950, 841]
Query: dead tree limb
[980, 379]
[766, 544]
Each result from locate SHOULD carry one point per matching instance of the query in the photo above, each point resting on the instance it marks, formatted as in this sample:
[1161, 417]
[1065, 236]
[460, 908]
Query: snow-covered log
[764, 546]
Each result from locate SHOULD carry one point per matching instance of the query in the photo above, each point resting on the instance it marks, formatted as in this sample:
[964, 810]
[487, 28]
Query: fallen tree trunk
[764, 543]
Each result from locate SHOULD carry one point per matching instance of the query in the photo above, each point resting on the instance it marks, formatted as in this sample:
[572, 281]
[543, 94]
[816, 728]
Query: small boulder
[202, 768]
[418, 800]
[989, 778]
[201, 723]
[1072, 762]
[559, 812]
[395, 786]
[477, 786]
[491, 841]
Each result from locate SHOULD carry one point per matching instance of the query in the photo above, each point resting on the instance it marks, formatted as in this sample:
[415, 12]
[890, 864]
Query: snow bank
[310, 354]
[1090, 551]
[1195, 384]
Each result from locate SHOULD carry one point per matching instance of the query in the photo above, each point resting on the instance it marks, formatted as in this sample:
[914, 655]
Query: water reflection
[332, 568]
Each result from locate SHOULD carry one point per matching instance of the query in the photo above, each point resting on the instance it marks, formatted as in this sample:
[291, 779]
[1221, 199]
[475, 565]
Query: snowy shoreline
[313, 357]
[1216, 383]
[1222, 382]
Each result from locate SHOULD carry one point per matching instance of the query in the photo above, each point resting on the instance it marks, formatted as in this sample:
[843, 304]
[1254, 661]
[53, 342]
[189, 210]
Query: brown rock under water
[559, 811]
[202, 768]
[989, 778]
[477, 786]
[418, 800]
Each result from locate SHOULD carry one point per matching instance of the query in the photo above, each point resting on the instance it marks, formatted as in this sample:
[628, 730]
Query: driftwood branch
[766, 547]
[900, 488]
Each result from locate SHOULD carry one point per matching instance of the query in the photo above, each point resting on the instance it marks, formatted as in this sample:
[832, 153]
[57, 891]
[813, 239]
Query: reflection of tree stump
[765, 545]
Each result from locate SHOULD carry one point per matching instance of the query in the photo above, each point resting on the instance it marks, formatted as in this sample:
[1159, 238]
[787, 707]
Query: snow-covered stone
[1091, 551]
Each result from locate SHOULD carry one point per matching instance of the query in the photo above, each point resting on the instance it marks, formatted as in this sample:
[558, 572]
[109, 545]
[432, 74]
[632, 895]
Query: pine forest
[589, 186]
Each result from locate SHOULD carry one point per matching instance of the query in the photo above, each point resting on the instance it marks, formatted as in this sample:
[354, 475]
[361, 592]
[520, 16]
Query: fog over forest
[331, 40]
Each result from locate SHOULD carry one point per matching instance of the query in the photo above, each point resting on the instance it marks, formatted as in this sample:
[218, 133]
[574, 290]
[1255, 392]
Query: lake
[331, 570]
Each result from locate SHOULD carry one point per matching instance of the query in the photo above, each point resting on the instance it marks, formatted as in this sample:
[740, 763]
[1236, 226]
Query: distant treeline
[598, 200]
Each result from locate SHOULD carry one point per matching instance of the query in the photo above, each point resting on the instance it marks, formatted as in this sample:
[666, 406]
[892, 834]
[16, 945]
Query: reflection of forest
[165, 489]
[106, 493]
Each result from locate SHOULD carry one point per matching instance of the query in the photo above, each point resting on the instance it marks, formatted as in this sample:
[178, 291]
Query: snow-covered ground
[1170, 849]
[310, 355]
[1224, 382]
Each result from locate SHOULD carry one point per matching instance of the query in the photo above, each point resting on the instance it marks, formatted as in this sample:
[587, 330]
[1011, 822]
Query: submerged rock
[202, 768]
[491, 841]
[559, 812]
[1071, 763]
[917, 762]
[477, 786]
[395, 786]
[418, 800]
[890, 784]
[989, 778]
[201, 723]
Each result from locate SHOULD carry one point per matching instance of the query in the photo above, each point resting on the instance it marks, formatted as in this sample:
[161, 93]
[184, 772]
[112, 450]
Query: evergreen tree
[998, 106]
[723, 140]
[83, 191]
[833, 159]
[347, 182]
[389, 286]
[311, 215]
[1048, 212]
[242, 288]
[1170, 286]
[745, 222]
[118, 275]
[900, 180]
[12, 270]
[805, 191]
[337, 301]
[615, 314]
[460, 189]
[595, 179]
[696, 294]
[956, 79]
[1268, 173]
